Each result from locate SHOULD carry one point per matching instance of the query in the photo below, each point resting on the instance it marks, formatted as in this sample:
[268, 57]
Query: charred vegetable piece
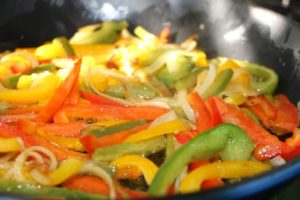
[142, 148]
[227, 140]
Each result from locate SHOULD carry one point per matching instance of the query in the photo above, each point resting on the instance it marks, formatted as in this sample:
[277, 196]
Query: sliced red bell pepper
[204, 120]
[212, 107]
[60, 95]
[287, 115]
[292, 147]
[71, 129]
[12, 116]
[91, 142]
[263, 109]
[108, 112]
[185, 136]
[267, 145]
[87, 184]
[93, 98]
[8, 131]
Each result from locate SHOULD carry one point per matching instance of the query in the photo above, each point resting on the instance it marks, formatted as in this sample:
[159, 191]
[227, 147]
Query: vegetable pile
[114, 114]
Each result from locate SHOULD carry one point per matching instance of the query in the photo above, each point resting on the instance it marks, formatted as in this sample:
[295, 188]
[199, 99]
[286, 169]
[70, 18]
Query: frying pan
[230, 28]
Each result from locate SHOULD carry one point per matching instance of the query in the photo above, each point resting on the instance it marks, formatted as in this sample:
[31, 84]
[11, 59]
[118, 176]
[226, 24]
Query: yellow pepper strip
[67, 169]
[228, 169]
[146, 166]
[65, 142]
[228, 64]
[201, 60]
[31, 95]
[9, 145]
[49, 51]
[161, 129]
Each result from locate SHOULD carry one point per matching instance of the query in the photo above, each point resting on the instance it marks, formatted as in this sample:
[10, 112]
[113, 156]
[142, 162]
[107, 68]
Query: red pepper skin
[267, 145]
[186, 136]
[60, 95]
[96, 99]
[280, 116]
[215, 114]
[263, 109]
[8, 131]
[287, 115]
[292, 147]
[108, 112]
[204, 120]
[71, 129]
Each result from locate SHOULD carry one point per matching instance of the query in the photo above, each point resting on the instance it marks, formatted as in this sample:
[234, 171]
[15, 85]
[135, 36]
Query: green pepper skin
[64, 42]
[107, 34]
[142, 148]
[36, 191]
[226, 140]
[102, 131]
[184, 66]
[12, 81]
[219, 84]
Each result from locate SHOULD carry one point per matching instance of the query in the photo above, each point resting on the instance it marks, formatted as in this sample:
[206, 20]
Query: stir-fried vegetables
[114, 114]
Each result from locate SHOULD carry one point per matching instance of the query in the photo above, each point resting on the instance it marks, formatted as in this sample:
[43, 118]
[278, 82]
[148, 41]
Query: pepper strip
[146, 166]
[31, 95]
[161, 129]
[227, 140]
[228, 169]
[60, 95]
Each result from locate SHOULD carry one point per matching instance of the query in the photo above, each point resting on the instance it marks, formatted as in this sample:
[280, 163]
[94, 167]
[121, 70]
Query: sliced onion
[90, 168]
[211, 76]
[187, 109]
[277, 161]
[169, 116]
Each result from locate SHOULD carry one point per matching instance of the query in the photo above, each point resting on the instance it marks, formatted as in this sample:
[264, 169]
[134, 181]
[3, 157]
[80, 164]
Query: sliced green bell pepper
[226, 140]
[219, 84]
[184, 65]
[35, 191]
[142, 148]
[102, 131]
[64, 43]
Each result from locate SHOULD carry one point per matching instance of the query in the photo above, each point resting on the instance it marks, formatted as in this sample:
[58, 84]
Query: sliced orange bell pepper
[60, 95]
[108, 112]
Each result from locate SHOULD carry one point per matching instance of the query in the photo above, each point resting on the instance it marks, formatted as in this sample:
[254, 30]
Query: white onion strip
[90, 168]
[187, 109]
[211, 76]
[169, 116]
[16, 172]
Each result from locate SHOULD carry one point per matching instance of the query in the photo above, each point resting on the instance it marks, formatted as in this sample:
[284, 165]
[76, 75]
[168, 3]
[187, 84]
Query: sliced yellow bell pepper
[146, 166]
[24, 82]
[173, 126]
[67, 169]
[228, 169]
[31, 95]
[49, 51]
[229, 64]
[9, 145]
[201, 60]
[65, 142]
